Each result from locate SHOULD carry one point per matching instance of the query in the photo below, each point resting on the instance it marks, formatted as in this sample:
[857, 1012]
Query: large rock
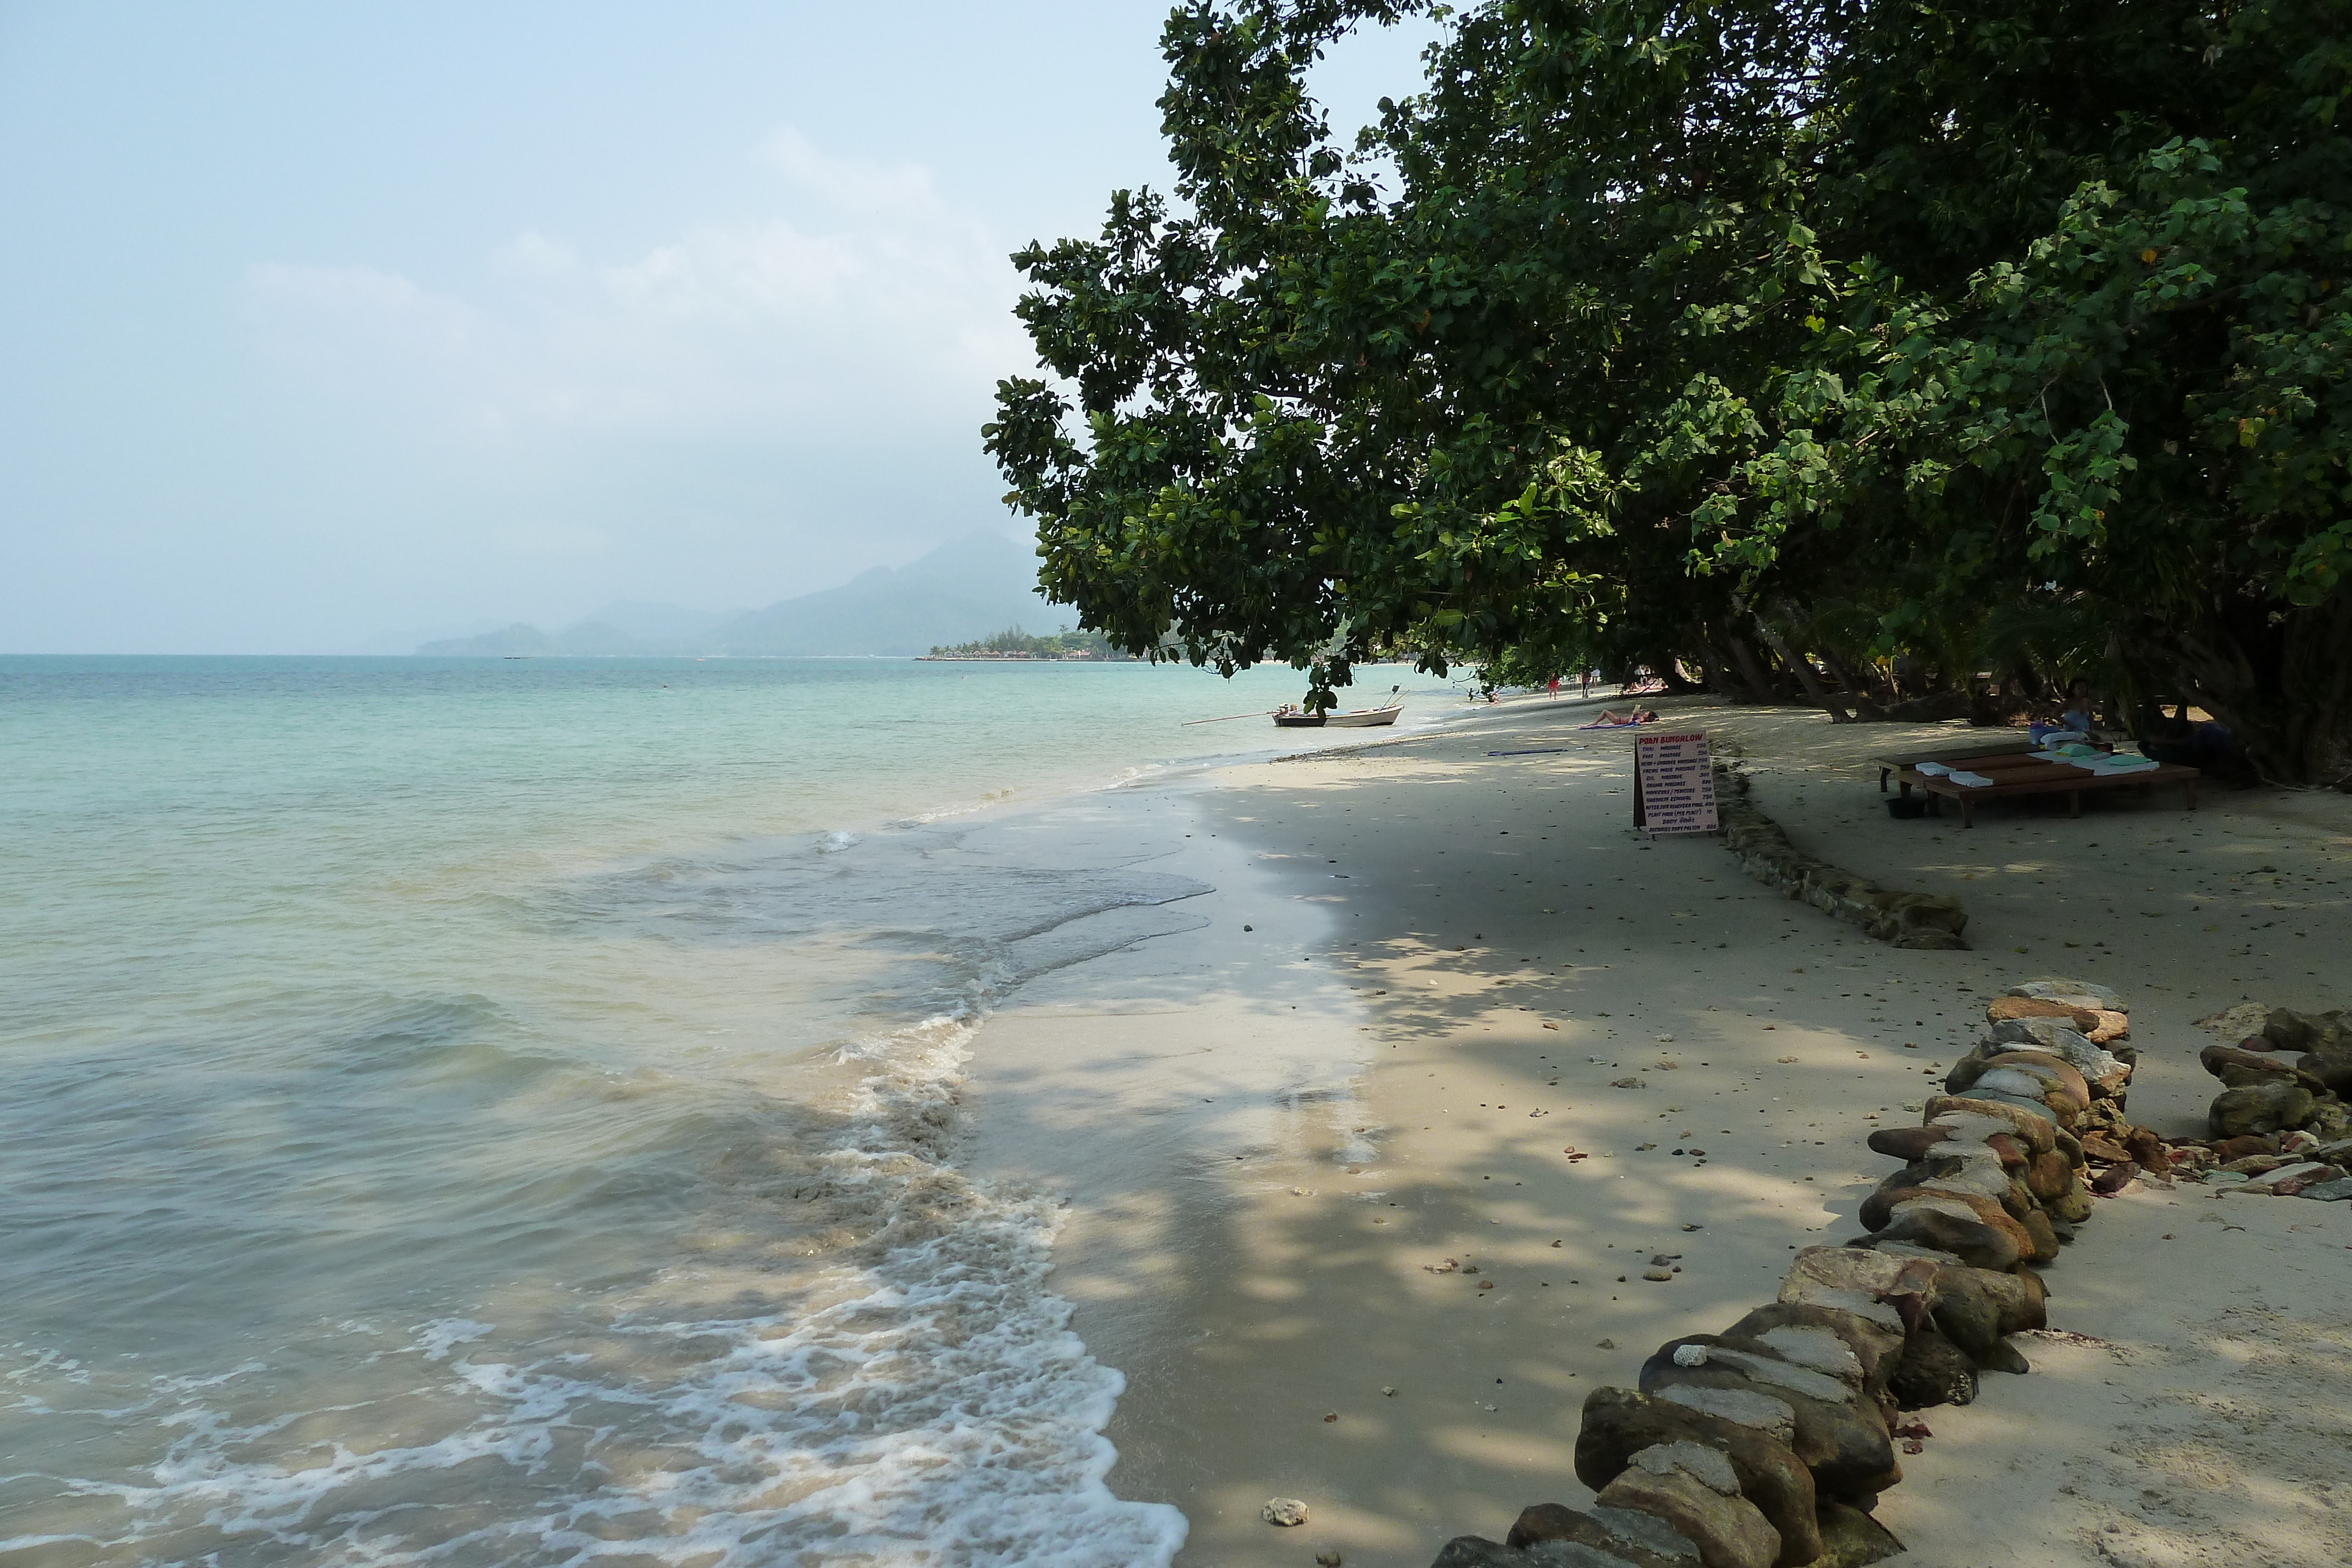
[1552, 1535]
[1477, 1551]
[1970, 1169]
[2260, 1108]
[1619, 1423]
[1728, 1530]
[2076, 993]
[2019, 1301]
[2044, 1234]
[2021, 1118]
[1978, 1231]
[2102, 1069]
[2049, 1175]
[2028, 1074]
[2287, 1030]
[1852, 1539]
[1866, 1282]
[1840, 1436]
[1758, 1362]
[2001, 1010]
[1793, 1328]
[2332, 1068]
[2243, 1069]
[1951, 1134]
[1979, 1126]
[1934, 1371]
[2072, 1206]
[1907, 1144]
[1977, 1310]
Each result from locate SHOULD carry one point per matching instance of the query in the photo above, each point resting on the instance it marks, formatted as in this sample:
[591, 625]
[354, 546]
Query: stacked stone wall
[1930, 920]
[1768, 1445]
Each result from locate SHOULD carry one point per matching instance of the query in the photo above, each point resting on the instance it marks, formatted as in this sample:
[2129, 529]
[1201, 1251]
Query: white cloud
[869, 300]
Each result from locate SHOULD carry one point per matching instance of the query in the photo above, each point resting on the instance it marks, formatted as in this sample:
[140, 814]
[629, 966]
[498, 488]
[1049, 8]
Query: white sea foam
[925, 1405]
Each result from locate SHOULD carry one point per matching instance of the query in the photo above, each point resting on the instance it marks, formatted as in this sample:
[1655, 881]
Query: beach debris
[1486, 1284]
[1388, 1390]
[1627, 1083]
[1285, 1511]
[1604, 1344]
[1448, 1267]
[1332, 1415]
[1328, 1559]
[1659, 1275]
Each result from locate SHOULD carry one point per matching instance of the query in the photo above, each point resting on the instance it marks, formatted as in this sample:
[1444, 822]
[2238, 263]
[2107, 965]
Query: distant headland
[964, 589]
[1014, 644]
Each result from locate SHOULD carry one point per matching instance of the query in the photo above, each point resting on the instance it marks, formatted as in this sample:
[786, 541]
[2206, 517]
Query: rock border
[2278, 1128]
[1920, 920]
[1768, 1444]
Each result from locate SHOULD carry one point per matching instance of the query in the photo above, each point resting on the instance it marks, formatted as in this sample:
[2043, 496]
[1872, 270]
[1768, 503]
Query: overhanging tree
[1681, 321]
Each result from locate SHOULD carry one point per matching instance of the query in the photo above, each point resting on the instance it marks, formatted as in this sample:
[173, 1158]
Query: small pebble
[1285, 1511]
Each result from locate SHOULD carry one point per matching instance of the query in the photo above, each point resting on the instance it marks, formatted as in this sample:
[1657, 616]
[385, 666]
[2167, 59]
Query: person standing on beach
[1555, 688]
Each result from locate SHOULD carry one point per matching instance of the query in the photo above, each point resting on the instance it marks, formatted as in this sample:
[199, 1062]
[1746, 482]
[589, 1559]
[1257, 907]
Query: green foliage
[1013, 642]
[1744, 335]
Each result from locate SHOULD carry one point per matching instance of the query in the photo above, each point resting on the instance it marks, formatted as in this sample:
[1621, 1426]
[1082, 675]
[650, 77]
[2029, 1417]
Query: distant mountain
[979, 585]
[406, 640]
[515, 639]
[588, 637]
[960, 592]
[660, 624]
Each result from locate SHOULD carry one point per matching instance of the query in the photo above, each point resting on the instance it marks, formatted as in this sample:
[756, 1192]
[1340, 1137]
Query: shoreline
[1251, 1244]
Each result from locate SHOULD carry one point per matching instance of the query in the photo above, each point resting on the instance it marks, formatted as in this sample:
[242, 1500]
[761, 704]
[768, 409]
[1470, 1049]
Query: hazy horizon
[326, 326]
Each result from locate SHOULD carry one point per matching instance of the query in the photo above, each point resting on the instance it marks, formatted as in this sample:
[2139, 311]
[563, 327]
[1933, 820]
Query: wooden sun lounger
[2019, 773]
[1967, 751]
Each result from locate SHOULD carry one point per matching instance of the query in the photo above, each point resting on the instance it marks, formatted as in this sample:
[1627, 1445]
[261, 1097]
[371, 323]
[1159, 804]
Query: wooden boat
[1360, 719]
[1366, 719]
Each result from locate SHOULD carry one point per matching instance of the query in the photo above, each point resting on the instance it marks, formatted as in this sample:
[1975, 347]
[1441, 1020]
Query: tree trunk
[2280, 678]
[1750, 673]
[1800, 668]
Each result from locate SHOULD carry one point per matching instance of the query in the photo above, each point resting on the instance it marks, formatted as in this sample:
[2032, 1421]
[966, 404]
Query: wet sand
[1428, 974]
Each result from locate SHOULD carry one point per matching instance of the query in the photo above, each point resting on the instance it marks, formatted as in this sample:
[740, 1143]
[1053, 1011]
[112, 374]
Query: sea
[483, 1111]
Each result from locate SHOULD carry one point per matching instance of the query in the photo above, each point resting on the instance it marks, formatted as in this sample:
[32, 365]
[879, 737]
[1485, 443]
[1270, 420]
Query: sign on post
[1674, 784]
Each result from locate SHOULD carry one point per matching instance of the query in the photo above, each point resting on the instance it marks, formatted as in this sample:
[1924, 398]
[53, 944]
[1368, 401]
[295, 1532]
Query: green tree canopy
[1726, 336]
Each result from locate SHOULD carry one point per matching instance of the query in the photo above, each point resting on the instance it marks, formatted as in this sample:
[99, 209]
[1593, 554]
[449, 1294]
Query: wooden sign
[1674, 784]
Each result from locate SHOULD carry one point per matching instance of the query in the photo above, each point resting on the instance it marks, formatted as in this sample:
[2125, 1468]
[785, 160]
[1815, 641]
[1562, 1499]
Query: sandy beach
[1328, 1215]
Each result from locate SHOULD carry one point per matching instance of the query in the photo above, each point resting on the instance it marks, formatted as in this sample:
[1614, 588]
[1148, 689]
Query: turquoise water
[504, 1111]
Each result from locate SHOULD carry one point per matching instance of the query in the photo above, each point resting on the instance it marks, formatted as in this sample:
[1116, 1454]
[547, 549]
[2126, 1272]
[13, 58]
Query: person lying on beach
[1611, 719]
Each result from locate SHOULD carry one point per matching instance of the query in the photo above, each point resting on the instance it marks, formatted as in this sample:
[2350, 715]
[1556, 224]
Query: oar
[1190, 722]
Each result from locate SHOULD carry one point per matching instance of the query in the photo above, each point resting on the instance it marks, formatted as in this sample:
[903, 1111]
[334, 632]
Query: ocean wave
[913, 1396]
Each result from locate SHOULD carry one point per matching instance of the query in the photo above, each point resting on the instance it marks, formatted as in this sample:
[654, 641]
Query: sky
[325, 327]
